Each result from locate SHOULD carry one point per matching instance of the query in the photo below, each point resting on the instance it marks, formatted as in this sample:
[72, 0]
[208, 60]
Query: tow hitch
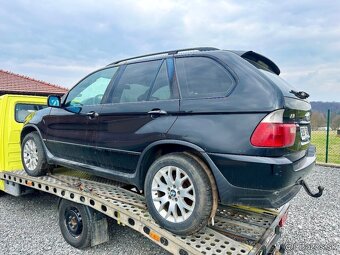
[308, 191]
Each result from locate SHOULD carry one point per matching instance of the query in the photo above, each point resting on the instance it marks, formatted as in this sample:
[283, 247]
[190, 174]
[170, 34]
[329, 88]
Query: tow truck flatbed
[236, 229]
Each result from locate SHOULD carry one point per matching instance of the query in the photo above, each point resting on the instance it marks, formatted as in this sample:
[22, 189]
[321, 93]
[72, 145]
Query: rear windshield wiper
[300, 94]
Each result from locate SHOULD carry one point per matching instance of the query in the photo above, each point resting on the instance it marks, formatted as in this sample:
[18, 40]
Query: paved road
[28, 225]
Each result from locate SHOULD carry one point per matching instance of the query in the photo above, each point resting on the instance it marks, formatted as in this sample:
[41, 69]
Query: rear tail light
[272, 132]
[283, 220]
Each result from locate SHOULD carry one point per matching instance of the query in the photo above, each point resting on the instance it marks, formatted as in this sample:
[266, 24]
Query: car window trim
[173, 79]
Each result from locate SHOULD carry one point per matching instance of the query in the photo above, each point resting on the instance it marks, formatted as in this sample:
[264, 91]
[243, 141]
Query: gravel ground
[313, 225]
[28, 225]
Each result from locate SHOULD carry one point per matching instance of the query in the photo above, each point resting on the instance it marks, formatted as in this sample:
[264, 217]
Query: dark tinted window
[161, 89]
[136, 81]
[23, 110]
[202, 77]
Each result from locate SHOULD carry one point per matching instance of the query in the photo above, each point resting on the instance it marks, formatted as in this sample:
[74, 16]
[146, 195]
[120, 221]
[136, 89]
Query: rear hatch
[298, 111]
[297, 108]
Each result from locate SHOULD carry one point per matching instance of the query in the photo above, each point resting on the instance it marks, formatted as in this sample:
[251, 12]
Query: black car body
[118, 135]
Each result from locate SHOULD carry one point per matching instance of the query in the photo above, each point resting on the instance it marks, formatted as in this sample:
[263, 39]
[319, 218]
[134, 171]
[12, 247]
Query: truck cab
[13, 111]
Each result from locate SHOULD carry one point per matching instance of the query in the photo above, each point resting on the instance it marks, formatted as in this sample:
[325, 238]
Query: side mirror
[54, 101]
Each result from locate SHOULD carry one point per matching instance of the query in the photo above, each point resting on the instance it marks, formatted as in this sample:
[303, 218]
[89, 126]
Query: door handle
[92, 114]
[157, 112]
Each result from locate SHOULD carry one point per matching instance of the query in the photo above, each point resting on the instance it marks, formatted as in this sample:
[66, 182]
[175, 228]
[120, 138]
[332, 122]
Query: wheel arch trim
[140, 171]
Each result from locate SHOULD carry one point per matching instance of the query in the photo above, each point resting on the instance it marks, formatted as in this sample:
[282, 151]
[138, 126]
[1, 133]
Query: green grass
[319, 140]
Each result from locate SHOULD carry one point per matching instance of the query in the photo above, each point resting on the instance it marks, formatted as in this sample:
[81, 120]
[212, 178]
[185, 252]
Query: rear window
[201, 77]
[23, 110]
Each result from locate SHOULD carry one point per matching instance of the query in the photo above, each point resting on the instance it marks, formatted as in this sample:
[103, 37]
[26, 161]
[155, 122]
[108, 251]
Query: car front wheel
[178, 193]
[33, 155]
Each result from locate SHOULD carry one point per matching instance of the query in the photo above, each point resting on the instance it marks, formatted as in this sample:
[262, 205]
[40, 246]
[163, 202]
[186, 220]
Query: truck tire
[33, 155]
[178, 193]
[75, 222]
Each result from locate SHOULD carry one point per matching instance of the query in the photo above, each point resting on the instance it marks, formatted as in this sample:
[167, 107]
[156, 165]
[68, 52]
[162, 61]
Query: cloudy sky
[60, 41]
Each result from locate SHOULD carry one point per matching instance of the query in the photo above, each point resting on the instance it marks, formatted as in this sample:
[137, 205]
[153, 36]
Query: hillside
[324, 106]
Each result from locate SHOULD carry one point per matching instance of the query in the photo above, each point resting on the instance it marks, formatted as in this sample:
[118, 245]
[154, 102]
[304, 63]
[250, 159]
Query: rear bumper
[259, 181]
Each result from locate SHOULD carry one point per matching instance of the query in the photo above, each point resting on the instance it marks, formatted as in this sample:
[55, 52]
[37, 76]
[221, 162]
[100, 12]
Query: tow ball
[308, 191]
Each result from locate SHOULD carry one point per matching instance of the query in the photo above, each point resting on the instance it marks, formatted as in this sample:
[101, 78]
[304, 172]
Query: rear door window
[136, 82]
[23, 110]
[161, 89]
[201, 77]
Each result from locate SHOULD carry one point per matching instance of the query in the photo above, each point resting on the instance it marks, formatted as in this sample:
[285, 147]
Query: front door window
[90, 91]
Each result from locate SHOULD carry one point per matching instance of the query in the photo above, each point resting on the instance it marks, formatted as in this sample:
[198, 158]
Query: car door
[140, 110]
[70, 128]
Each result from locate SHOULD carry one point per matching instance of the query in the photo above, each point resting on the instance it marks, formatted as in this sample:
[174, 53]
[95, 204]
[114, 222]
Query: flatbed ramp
[236, 230]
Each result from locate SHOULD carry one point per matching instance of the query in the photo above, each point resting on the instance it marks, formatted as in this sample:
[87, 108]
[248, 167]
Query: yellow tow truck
[13, 111]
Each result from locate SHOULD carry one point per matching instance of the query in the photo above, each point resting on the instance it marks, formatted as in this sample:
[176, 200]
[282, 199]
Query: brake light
[283, 220]
[272, 132]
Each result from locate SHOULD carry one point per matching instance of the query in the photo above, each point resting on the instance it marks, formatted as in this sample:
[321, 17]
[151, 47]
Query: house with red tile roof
[11, 83]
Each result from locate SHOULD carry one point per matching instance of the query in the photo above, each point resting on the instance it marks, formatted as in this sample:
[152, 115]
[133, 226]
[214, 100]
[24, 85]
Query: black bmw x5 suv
[191, 128]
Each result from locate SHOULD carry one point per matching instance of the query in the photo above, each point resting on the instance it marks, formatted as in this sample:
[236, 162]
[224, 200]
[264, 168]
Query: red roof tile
[15, 83]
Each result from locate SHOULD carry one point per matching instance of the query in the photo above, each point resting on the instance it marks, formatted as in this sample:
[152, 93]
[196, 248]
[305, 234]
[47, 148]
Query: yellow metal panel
[3, 100]
[10, 154]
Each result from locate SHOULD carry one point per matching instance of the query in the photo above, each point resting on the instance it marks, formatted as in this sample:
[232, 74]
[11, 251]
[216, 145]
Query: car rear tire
[178, 193]
[33, 155]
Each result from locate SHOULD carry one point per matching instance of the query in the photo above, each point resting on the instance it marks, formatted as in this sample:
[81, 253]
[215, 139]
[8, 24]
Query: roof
[11, 83]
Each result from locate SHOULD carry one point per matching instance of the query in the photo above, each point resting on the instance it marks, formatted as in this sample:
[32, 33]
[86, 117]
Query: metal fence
[326, 136]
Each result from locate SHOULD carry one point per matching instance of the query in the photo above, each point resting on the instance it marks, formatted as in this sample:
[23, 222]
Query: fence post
[327, 134]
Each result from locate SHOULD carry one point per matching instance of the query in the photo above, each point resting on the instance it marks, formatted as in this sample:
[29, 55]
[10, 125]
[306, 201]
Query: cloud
[61, 41]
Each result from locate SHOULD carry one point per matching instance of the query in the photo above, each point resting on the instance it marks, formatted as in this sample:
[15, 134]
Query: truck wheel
[178, 193]
[75, 222]
[33, 155]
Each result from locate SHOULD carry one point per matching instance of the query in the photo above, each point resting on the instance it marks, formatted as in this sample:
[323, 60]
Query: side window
[201, 77]
[136, 81]
[23, 110]
[161, 89]
[90, 91]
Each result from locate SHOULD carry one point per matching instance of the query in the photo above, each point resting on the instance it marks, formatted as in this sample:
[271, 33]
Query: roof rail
[170, 52]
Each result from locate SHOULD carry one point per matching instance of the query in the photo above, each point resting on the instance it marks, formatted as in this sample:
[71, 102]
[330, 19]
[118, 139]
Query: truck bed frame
[236, 230]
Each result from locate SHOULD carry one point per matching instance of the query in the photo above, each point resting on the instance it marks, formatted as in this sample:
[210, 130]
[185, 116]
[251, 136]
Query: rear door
[70, 128]
[139, 110]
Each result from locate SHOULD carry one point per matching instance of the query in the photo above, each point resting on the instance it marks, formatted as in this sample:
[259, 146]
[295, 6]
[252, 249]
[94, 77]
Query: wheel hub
[73, 221]
[30, 154]
[173, 194]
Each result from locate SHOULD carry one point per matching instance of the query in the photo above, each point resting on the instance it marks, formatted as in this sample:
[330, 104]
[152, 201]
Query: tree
[317, 120]
[335, 122]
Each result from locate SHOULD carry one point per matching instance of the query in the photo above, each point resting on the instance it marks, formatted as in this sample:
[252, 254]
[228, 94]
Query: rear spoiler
[258, 60]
